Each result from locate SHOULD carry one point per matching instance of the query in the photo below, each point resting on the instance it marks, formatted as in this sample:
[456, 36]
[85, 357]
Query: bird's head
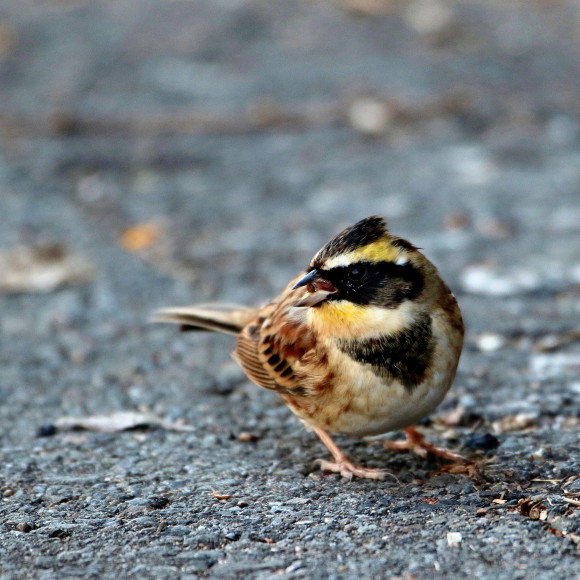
[363, 273]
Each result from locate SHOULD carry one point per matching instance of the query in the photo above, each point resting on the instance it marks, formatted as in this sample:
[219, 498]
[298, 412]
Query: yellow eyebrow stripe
[379, 251]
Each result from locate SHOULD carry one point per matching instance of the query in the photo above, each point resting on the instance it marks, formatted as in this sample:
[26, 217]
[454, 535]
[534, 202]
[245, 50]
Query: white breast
[363, 403]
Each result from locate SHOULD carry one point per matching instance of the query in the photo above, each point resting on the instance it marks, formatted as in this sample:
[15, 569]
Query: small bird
[365, 341]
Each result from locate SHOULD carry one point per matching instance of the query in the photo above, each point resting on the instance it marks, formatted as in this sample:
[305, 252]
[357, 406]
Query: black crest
[360, 234]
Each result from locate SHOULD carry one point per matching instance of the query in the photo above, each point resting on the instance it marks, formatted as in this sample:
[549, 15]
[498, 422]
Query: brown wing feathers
[213, 317]
[273, 347]
[274, 350]
[246, 354]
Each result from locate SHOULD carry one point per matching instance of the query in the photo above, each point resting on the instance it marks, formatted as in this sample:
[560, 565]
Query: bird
[365, 341]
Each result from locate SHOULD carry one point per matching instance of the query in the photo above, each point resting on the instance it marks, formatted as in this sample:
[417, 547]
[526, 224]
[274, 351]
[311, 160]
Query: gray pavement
[163, 152]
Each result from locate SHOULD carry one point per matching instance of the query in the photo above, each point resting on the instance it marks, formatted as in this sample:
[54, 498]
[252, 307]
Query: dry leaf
[453, 418]
[456, 221]
[514, 423]
[140, 237]
[532, 508]
[552, 481]
[120, 421]
[459, 417]
[219, 495]
[553, 342]
[42, 268]
[574, 502]
[471, 470]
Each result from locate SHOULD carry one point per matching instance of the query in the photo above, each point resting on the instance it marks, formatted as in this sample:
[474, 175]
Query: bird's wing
[226, 318]
[246, 353]
[279, 351]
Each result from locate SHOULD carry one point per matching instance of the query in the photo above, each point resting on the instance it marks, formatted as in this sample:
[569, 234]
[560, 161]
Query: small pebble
[24, 527]
[47, 430]
[370, 115]
[454, 539]
[490, 342]
[157, 502]
[246, 437]
[429, 16]
[481, 442]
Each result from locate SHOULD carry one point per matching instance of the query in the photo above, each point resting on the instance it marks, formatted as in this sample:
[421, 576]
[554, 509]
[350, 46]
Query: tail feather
[229, 319]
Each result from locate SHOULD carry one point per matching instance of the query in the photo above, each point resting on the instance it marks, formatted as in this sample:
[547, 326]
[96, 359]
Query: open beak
[318, 287]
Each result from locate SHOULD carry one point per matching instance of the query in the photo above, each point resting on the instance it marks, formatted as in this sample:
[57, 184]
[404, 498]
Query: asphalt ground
[155, 153]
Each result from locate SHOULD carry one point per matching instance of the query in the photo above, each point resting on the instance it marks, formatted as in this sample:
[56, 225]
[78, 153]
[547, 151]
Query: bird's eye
[357, 273]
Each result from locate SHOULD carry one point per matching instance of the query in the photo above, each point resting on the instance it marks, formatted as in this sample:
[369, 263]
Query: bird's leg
[418, 444]
[341, 463]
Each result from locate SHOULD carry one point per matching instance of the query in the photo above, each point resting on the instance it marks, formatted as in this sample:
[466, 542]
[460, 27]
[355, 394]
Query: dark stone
[58, 533]
[481, 442]
[157, 502]
[47, 430]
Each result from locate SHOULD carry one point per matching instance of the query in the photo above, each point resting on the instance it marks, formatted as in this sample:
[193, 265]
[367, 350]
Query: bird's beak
[318, 287]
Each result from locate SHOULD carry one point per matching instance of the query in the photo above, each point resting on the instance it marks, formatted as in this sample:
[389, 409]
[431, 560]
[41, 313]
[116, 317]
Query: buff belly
[389, 408]
[361, 403]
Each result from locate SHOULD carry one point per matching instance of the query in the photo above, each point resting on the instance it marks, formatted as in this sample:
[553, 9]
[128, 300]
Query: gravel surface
[155, 153]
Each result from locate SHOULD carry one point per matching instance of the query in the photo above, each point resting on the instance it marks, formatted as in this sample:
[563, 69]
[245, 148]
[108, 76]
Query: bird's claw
[349, 470]
[417, 443]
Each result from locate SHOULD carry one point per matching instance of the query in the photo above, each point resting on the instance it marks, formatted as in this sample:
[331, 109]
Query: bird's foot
[343, 465]
[417, 443]
[348, 470]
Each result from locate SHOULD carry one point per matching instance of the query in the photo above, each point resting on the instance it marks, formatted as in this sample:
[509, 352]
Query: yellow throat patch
[344, 319]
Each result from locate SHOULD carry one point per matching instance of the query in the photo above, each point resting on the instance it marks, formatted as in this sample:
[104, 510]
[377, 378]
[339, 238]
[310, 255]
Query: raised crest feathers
[361, 234]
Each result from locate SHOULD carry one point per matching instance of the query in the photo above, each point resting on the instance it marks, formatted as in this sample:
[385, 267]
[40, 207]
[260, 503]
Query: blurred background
[160, 152]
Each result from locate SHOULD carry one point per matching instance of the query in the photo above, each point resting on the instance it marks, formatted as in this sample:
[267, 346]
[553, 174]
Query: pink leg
[418, 444]
[342, 464]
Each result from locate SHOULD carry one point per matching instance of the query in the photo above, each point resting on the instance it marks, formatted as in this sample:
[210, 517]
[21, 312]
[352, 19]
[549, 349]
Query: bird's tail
[229, 319]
